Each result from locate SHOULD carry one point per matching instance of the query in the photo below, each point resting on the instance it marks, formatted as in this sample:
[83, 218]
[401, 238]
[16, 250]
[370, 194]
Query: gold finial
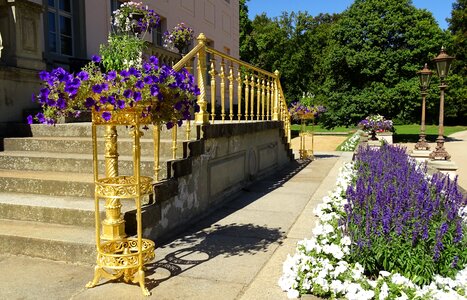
[201, 38]
[277, 73]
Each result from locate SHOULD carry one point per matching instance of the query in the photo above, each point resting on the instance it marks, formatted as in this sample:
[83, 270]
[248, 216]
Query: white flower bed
[352, 142]
[319, 265]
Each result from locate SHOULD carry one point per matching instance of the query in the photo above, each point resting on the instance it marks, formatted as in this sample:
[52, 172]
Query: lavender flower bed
[387, 231]
[400, 221]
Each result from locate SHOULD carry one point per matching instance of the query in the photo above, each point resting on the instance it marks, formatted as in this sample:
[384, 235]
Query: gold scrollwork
[123, 254]
[122, 187]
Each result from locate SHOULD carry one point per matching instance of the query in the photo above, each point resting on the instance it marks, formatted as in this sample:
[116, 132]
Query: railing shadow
[206, 245]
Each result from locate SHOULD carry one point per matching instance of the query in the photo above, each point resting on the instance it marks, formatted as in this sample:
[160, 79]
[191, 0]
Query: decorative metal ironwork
[121, 257]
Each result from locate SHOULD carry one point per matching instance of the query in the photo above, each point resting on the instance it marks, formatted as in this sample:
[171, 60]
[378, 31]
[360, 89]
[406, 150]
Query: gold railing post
[157, 142]
[275, 104]
[213, 74]
[174, 141]
[239, 92]
[247, 94]
[258, 99]
[252, 96]
[268, 100]
[113, 226]
[222, 76]
[231, 91]
[263, 95]
[202, 116]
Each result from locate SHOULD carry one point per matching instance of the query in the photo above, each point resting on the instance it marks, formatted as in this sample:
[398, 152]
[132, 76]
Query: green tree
[456, 96]
[370, 66]
[293, 44]
[247, 46]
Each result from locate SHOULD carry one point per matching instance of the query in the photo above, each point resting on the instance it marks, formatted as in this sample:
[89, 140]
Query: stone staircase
[46, 187]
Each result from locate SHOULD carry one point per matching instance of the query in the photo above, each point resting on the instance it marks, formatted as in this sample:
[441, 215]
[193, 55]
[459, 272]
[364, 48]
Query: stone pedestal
[385, 136]
[372, 143]
[447, 167]
[420, 155]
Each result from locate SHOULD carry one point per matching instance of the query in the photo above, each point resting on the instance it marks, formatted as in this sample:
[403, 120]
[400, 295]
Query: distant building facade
[44, 34]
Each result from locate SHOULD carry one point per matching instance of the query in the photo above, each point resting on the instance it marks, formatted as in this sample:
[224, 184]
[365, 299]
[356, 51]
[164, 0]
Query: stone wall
[226, 159]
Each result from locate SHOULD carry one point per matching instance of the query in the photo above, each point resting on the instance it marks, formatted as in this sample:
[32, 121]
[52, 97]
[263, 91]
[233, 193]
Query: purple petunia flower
[137, 96]
[96, 58]
[139, 84]
[30, 119]
[44, 75]
[83, 75]
[89, 102]
[106, 115]
[97, 88]
[127, 93]
[111, 75]
[120, 104]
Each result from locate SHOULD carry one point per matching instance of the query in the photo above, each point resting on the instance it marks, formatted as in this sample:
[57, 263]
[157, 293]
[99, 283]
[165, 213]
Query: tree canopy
[362, 61]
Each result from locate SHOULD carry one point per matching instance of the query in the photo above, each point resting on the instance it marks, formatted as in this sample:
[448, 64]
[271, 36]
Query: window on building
[158, 33]
[60, 27]
[114, 5]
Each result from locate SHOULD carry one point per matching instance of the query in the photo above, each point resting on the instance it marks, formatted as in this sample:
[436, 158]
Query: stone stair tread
[65, 155]
[48, 175]
[47, 231]
[83, 138]
[69, 202]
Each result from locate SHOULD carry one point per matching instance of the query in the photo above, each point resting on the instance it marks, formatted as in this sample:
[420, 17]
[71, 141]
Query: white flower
[292, 294]
[384, 291]
[346, 241]
[403, 296]
[384, 273]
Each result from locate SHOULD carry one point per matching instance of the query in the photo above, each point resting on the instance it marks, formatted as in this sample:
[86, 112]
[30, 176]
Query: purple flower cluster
[392, 205]
[299, 111]
[135, 17]
[166, 95]
[180, 37]
[375, 123]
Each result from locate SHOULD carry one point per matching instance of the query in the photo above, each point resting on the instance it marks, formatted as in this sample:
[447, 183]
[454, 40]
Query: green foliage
[122, 52]
[377, 47]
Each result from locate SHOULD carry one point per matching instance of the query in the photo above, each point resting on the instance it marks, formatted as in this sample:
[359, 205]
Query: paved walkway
[236, 253]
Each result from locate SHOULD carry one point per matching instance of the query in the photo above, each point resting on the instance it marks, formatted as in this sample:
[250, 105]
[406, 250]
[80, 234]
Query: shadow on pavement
[205, 246]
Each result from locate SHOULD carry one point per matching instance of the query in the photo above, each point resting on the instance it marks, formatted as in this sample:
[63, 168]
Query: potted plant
[179, 37]
[376, 124]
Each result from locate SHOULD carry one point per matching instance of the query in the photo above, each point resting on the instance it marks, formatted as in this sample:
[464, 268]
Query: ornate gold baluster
[263, 96]
[174, 141]
[156, 131]
[275, 101]
[113, 226]
[252, 83]
[268, 99]
[239, 92]
[213, 73]
[188, 122]
[231, 91]
[202, 116]
[222, 76]
[258, 99]
[247, 94]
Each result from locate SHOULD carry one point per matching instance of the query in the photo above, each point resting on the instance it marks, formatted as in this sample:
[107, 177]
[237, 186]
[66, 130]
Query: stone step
[50, 241]
[84, 130]
[84, 145]
[47, 183]
[65, 210]
[72, 162]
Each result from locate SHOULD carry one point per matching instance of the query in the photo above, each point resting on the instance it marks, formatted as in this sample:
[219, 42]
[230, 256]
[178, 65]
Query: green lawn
[409, 133]
[318, 128]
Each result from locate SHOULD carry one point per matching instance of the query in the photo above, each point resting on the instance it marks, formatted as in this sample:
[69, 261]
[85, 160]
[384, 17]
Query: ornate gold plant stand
[304, 153]
[121, 257]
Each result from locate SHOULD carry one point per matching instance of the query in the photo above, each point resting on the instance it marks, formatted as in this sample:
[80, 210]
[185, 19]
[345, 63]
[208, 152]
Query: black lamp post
[425, 77]
[443, 63]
